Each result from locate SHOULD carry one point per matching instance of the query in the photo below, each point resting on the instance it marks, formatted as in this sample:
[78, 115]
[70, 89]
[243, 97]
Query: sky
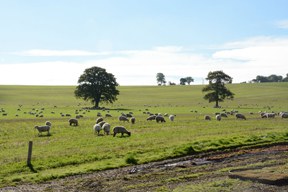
[53, 42]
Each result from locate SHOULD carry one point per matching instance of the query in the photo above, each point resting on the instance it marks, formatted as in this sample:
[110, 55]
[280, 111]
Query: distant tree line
[271, 78]
[160, 78]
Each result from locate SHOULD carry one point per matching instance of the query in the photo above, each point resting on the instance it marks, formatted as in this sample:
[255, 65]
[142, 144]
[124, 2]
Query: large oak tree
[216, 89]
[96, 85]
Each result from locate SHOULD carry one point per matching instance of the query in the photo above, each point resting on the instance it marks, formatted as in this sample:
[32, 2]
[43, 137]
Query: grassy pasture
[75, 150]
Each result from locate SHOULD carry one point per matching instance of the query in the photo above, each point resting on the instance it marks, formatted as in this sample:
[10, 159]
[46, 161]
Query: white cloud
[42, 73]
[255, 57]
[282, 24]
[51, 53]
[242, 60]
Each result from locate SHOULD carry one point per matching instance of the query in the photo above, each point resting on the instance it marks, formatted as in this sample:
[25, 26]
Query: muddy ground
[255, 169]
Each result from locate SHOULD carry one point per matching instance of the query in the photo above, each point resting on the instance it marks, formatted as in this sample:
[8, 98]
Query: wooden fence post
[29, 153]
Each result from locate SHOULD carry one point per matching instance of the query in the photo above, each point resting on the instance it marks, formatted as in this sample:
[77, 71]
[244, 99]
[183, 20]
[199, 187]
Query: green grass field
[76, 150]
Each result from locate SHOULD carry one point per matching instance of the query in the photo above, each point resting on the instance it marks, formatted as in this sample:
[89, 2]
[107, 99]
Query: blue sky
[53, 42]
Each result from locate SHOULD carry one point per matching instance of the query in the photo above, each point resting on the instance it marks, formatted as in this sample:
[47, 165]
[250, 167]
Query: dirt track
[255, 169]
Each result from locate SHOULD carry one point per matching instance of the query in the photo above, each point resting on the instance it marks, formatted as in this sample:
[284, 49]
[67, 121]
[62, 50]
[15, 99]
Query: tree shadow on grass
[261, 175]
[111, 109]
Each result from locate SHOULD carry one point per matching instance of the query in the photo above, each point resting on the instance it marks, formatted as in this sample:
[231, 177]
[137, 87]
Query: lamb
[133, 120]
[240, 116]
[207, 117]
[160, 118]
[106, 128]
[120, 129]
[218, 117]
[44, 128]
[123, 118]
[97, 128]
[73, 122]
[48, 123]
[171, 117]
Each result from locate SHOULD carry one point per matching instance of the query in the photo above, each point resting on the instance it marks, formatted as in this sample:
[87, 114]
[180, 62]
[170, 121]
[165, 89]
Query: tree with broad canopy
[216, 89]
[160, 77]
[96, 85]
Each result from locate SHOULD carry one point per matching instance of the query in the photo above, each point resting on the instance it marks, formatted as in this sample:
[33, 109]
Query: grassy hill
[74, 150]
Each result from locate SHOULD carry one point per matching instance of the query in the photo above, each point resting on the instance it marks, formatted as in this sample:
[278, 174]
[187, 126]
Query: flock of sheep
[158, 117]
[218, 116]
[100, 125]
[105, 126]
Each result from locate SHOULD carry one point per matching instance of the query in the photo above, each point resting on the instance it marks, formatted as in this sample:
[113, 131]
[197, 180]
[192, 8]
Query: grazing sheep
[123, 118]
[44, 128]
[79, 116]
[171, 117]
[120, 129]
[268, 115]
[207, 117]
[73, 122]
[102, 123]
[240, 116]
[223, 115]
[218, 117]
[129, 115]
[108, 115]
[284, 115]
[151, 117]
[160, 118]
[262, 114]
[133, 120]
[48, 123]
[97, 128]
[99, 119]
[106, 128]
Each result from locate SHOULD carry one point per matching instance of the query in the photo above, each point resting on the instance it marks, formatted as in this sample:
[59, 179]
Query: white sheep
[207, 117]
[123, 118]
[120, 129]
[171, 117]
[73, 122]
[240, 116]
[44, 128]
[106, 128]
[218, 117]
[97, 128]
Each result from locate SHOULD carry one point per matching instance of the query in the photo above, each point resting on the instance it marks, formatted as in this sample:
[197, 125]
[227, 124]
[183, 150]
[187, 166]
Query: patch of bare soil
[255, 169]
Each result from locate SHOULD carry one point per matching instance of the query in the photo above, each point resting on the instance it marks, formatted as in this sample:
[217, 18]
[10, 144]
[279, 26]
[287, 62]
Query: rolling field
[77, 150]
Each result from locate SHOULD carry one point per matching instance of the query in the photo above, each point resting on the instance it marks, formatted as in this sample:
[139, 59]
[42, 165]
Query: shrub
[131, 160]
